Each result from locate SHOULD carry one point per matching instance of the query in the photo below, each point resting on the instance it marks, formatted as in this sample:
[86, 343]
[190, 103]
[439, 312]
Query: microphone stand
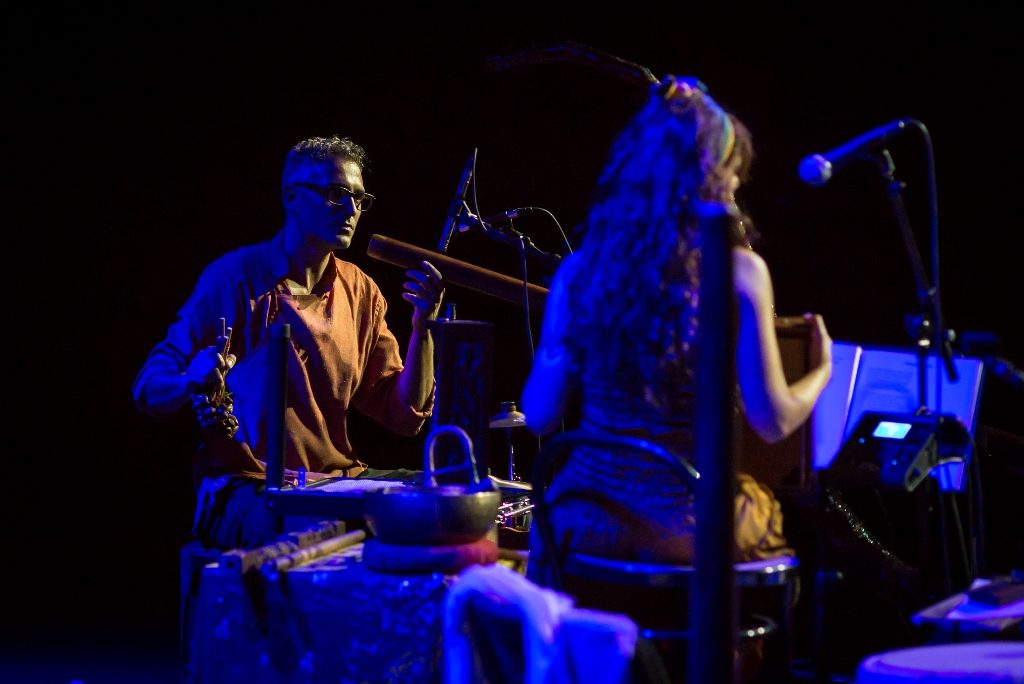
[929, 335]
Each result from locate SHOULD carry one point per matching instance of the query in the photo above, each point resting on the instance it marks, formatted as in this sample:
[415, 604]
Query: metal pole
[277, 396]
[713, 617]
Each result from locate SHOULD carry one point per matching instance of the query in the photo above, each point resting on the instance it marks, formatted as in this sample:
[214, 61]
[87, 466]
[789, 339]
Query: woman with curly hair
[620, 335]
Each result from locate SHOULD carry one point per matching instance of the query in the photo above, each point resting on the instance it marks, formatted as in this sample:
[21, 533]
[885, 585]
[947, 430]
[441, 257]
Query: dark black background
[142, 145]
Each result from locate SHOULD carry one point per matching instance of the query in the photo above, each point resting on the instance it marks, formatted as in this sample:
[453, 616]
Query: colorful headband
[681, 92]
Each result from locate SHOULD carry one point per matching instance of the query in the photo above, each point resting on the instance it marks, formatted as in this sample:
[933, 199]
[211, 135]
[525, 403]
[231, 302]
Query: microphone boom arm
[509, 236]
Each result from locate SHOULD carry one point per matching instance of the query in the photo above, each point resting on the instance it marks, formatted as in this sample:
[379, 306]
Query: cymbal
[508, 419]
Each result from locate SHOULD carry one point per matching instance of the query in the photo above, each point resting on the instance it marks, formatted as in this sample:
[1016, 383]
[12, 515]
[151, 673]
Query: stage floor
[109, 659]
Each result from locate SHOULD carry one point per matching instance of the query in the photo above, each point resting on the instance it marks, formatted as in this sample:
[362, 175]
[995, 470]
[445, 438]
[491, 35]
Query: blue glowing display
[887, 429]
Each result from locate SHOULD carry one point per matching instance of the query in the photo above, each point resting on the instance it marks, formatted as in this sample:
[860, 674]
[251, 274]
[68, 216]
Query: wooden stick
[320, 550]
[457, 272]
[245, 560]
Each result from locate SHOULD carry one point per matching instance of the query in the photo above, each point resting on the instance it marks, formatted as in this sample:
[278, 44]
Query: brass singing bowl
[435, 514]
[431, 516]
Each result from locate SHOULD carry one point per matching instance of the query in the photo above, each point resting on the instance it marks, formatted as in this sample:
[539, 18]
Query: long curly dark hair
[634, 293]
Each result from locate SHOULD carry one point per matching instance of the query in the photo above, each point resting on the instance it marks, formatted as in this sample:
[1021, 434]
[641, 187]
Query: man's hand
[424, 290]
[208, 368]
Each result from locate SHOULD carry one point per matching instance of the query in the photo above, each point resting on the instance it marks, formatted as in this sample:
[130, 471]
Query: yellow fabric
[758, 526]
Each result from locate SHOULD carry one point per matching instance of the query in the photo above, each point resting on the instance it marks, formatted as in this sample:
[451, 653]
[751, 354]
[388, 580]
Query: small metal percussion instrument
[516, 510]
[507, 419]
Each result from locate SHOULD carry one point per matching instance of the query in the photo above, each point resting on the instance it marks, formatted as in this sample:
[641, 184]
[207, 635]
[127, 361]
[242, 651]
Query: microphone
[817, 169]
[494, 221]
[455, 208]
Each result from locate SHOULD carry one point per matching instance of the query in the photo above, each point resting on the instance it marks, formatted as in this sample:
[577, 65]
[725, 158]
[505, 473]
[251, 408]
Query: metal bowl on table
[432, 514]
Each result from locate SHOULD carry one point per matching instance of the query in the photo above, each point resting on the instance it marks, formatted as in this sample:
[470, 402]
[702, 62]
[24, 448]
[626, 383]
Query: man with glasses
[341, 353]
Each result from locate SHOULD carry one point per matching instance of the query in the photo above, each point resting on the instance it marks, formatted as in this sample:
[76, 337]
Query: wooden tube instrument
[457, 272]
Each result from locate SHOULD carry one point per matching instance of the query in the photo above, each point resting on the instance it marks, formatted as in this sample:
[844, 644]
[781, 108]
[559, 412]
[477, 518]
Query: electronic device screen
[887, 429]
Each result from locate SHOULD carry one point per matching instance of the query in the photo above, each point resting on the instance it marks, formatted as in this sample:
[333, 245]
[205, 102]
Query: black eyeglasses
[337, 194]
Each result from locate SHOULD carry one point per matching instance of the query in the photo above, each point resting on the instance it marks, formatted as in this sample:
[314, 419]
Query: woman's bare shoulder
[750, 272]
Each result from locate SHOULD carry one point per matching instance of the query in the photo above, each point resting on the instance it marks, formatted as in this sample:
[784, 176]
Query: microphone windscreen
[815, 170]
